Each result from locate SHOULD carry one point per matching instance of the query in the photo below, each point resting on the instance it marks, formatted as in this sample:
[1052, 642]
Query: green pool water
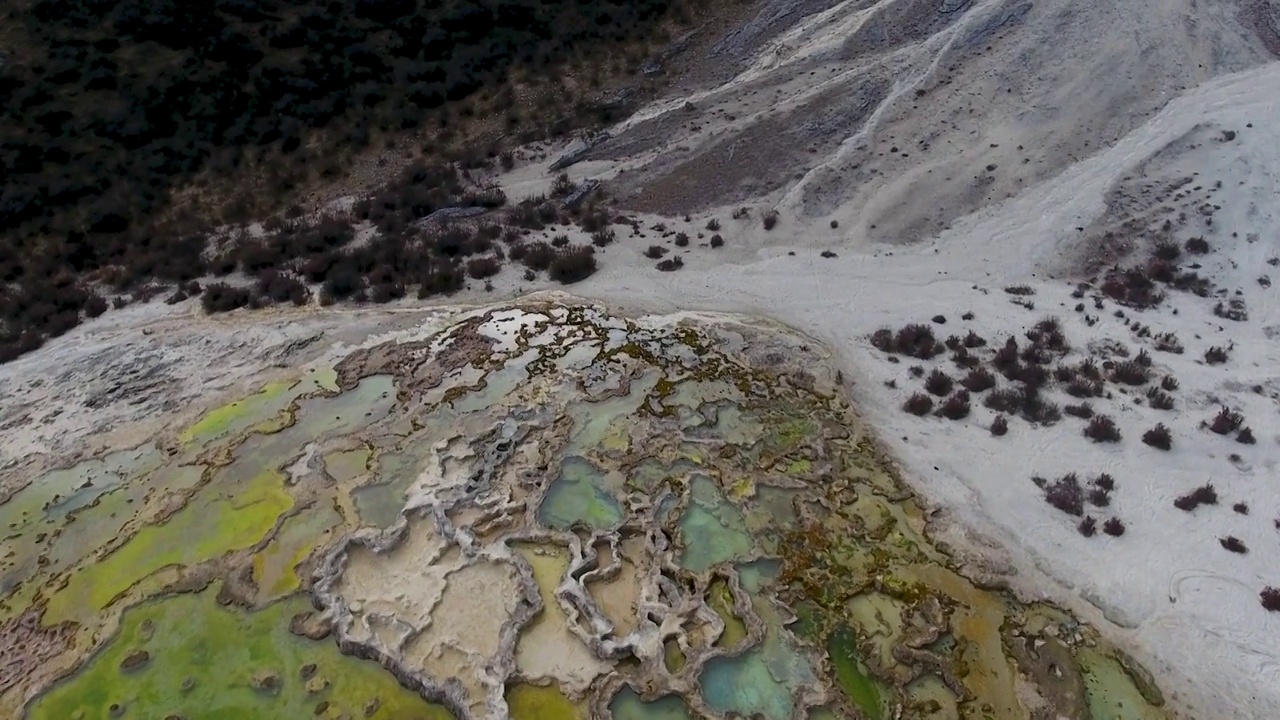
[578, 495]
[712, 529]
[206, 662]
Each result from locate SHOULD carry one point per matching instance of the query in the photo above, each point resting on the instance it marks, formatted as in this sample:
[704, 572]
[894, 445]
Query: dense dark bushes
[1203, 495]
[1102, 429]
[107, 109]
[1158, 437]
[914, 340]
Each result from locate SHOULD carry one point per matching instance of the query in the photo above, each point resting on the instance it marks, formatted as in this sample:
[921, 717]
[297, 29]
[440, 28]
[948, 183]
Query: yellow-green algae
[535, 702]
[216, 521]
[720, 599]
[274, 567]
[207, 662]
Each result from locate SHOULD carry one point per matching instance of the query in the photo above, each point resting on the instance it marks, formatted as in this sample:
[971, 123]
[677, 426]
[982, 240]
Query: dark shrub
[999, 425]
[917, 371]
[1159, 399]
[1245, 436]
[603, 237]
[717, 241]
[1006, 400]
[770, 219]
[1020, 290]
[1082, 388]
[682, 240]
[938, 383]
[974, 340]
[1066, 494]
[1143, 358]
[1215, 355]
[535, 255]
[1035, 409]
[1033, 377]
[1169, 383]
[1064, 373]
[1088, 526]
[1130, 372]
[220, 297]
[1166, 250]
[482, 267]
[1270, 599]
[1099, 497]
[1233, 544]
[713, 225]
[671, 264]
[1080, 410]
[1197, 246]
[655, 251]
[1203, 495]
[1241, 508]
[560, 241]
[572, 265]
[1113, 527]
[963, 359]
[94, 306]
[1006, 357]
[1158, 437]
[386, 292]
[1226, 421]
[978, 380]
[1105, 482]
[915, 340]
[955, 407]
[1102, 429]
[918, 404]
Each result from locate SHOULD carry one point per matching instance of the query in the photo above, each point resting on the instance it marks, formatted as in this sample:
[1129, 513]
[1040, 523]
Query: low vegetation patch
[1102, 429]
[1158, 437]
[1203, 495]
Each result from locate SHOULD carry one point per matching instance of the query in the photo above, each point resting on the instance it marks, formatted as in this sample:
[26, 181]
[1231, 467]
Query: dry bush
[978, 380]
[955, 407]
[999, 425]
[1066, 494]
[770, 219]
[1159, 399]
[1197, 246]
[1105, 482]
[914, 340]
[1158, 437]
[1233, 544]
[964, 359]
[603, 237]
[1048, 334]
[535, 255]
[1102, 429]
[1216, 355]
[1169, 383]
[682, 240]
[938, 383]
[1088, 527]
[1245, 436]
[1082, 388]
[655, 251]
[1113, 527]
[1130, 372]
[1064, 373]
[1168, 342]
[713, 225]
[1270, 599]
[1233, 310]
[1226, 421]
[671, 264]
[571, 265]
[220, 297]
[1022, 290]
[1166, 250]
[483, 267]
[918, 404]
[1203, 495]
[1241, 508]
[716, 241]
[1083, 410]
[974, 340]
[917, 371]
